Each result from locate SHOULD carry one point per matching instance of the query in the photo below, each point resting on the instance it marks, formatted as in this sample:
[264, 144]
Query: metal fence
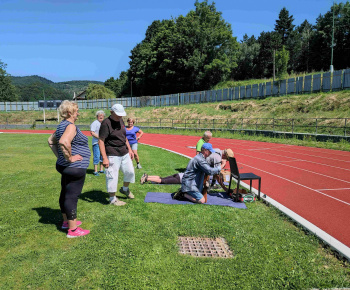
[317, 126]
[338, 80]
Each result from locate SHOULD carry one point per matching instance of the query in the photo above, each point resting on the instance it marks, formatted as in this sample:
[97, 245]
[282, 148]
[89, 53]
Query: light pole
[332, 45]
[131, 90]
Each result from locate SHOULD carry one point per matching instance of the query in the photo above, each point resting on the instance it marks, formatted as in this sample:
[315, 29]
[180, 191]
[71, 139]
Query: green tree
[247, 58]
[95, 91]
[322, 40]
[189, 53]
[8, 91]
[282, 58]
[284, 25]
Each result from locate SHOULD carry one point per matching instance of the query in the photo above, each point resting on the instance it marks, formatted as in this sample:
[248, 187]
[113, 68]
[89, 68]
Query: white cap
[118, 109]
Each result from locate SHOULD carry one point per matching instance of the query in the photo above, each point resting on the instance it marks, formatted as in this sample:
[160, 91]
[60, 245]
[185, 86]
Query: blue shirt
[131, 135]
[80, 145]
[193, 177]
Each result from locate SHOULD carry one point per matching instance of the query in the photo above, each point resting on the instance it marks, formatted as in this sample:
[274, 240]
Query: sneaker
[179, 195]
[138, 166]
[96, 174]
[77, 233]
[118, 202]
[127, 193]
[144, 178]
[102, 172]
[65, 225]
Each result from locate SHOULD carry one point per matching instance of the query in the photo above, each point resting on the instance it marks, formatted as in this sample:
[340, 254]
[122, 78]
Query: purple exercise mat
[217, 198]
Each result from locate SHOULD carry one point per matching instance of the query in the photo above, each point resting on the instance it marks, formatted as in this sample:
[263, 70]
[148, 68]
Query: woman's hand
[75, 158]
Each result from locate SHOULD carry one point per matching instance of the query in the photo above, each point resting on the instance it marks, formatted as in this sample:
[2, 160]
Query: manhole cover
[204, 247]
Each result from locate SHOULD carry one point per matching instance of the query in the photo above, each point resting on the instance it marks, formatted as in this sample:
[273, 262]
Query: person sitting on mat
[172, 179]
[193, 178]
[205, 139]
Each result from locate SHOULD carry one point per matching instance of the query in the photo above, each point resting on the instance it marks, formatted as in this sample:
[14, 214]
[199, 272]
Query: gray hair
[100, 113]
[207, 134]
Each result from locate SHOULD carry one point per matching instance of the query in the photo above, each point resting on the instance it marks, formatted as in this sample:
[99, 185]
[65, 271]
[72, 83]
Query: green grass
[135, 246]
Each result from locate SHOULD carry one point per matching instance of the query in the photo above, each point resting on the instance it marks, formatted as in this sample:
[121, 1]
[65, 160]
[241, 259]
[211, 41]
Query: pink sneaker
[77, 233]
[65, 225]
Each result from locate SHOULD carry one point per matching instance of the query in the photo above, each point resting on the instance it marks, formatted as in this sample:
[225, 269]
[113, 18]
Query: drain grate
[204, 247]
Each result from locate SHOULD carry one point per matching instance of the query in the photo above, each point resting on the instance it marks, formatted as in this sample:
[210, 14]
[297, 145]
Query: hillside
[74, 86]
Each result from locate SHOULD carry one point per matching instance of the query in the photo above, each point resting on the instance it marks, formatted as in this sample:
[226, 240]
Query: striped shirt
[80, 145]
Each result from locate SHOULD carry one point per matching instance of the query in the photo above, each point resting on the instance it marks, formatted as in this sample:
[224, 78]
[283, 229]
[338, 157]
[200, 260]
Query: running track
[311, 185]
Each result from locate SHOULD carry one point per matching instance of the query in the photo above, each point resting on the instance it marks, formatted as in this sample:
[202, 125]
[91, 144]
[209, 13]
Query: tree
[282, 58]
[189, 53]
[322, 40]
[95, 91]
[247, 59]
[119, 85]
[8, 91]
[284, 25]
[269, 42]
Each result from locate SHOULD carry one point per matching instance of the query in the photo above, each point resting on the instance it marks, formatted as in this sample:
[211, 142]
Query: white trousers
[124, 163]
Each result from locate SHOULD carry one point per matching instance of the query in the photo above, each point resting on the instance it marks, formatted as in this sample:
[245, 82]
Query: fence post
[199, 124]
[256, 125]
[185, 124]
[213, 123]
[172, 123]
[273, 125]
[242, 125]
[316, 125]
[160, 123]
[345, 128]
[292, 126]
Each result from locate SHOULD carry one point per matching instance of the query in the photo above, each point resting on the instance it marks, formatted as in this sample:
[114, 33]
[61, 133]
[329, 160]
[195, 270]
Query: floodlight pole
[332, 45]
[44, 106]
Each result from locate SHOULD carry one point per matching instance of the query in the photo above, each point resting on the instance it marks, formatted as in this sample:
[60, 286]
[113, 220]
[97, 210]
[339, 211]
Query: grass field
[135, 246]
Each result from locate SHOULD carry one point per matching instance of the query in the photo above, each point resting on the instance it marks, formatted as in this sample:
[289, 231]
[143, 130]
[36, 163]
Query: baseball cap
[118, 109]
[208, 146]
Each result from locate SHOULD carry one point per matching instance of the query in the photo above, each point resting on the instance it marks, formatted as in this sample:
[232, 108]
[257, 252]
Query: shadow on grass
[49, 216]
[95, 196]
[180, 169]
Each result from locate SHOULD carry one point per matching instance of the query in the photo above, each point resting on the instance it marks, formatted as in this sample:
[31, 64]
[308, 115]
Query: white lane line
[315, 156]
[324, 189]
[307, 161]
[337, 199]
[327, 176]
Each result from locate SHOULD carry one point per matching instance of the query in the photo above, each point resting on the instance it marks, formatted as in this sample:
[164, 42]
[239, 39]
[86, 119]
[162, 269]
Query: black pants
[72, 181]
[172, 179]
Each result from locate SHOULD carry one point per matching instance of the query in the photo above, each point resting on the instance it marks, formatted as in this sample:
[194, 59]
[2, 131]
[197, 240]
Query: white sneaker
[138, 166]
[118, 202]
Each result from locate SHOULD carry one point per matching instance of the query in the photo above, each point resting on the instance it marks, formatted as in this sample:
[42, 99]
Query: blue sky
[64, 40]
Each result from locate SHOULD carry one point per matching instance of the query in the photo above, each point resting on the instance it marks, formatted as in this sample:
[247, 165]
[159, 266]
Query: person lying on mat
[219, 159]
[172, 179]
[193, 178]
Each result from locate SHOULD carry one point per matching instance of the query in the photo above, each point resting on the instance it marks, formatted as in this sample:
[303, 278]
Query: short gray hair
[100, 113]
[207, 134]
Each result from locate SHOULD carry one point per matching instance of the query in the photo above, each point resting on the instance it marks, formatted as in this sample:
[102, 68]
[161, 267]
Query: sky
[65, 40]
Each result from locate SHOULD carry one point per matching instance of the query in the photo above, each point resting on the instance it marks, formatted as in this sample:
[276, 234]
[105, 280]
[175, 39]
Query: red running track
[311, 182]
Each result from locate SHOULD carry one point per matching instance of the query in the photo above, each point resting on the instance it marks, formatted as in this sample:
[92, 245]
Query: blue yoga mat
[217, 198]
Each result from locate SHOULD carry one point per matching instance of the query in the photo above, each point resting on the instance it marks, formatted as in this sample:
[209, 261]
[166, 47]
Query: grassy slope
[321, 105]
[135, 247]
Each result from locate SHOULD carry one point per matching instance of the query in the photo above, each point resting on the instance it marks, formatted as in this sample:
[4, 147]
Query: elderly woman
[71, 148]
[94, 130]
[133, 139]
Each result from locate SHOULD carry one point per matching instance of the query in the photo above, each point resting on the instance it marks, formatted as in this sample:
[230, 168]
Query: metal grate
[204, 247]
